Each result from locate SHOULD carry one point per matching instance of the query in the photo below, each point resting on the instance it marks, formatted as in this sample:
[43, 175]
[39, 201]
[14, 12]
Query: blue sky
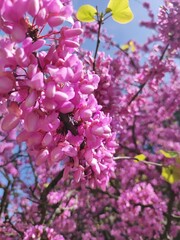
[125, 32]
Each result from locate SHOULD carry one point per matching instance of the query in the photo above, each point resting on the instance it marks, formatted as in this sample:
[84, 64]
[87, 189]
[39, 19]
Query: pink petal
[9, 122]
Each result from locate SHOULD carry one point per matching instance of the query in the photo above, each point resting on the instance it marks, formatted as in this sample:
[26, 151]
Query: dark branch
[46, 191]
[69, 123]
[165, 234]
[100, 22]
[149, 76]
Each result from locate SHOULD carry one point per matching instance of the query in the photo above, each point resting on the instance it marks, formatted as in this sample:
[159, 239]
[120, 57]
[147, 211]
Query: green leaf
[86, 13]
[167, 174]
[125, 47]
[171, 173]
[121, 11]
[140, 157]
[129, 46]
[108, 10]
[169, 154]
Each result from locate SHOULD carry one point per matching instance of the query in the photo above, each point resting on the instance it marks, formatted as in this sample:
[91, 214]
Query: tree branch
[165, 234]
[43, 198]
[100, 22]
[149, 76]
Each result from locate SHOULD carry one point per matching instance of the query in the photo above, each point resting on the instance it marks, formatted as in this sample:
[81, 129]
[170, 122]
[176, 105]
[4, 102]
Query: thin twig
[148, 77]
[46, 191]
[134, 133]
[100, 22]
[165, 234]
[134, 158]
[130, 58]
[17, 230]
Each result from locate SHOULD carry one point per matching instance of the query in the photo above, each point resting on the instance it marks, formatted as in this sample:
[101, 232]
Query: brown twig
[141, 161]
[165, 234]
[43, 198]
[148, 77]
[100, 22]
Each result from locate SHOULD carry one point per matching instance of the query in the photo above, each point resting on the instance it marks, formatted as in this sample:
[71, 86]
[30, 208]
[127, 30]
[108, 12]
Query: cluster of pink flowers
[168, 24]
[41, 232]
[50, 96]
[143, 209]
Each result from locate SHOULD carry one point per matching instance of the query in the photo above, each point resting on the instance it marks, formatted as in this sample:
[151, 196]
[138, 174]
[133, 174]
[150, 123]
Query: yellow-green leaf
[129, 46]
[167, 174]
[132, 46]
[171, 173]
[140, 157]
[86, 13]
[121, 11]
[169, 154]
[125, 47]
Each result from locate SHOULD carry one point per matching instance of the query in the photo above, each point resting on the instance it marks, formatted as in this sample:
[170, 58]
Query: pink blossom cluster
[41, 232]
[50, 95]
[54, 197]
[145, 211]
[120, 83]
[152, 22]
[141, 93]
[168, 24]
[15, 20]
[7, 143]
